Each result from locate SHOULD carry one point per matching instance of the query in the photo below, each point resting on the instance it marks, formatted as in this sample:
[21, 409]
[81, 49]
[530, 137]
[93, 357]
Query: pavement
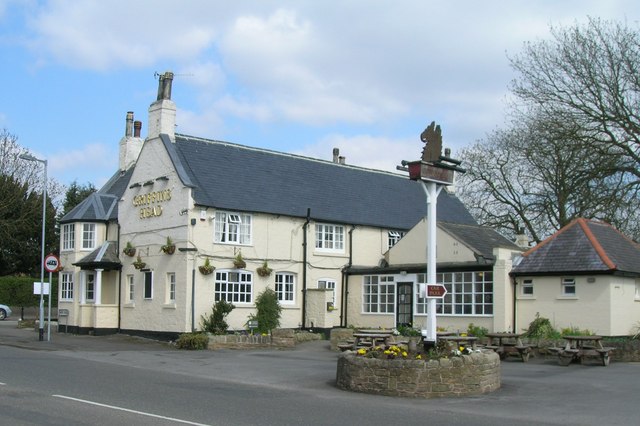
[27, 338]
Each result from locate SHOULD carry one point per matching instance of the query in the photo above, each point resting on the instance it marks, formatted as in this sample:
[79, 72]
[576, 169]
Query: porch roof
[104, 257]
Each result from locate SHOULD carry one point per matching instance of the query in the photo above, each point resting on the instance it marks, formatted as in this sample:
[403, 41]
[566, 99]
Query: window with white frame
[329, 237]
[233, 286]
[329, 284]
[171, 287]
[66, 286]
[88, 235]
[286, 287]
[148, 285]
[568, 287]
[394, 237]
[379, 294]
[131, 287]
[468, 293]
[527, 287]
[232, 228]
[68, 236]
[90, 286]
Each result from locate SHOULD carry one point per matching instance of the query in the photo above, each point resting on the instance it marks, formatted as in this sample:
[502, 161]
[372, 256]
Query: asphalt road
[118, 380]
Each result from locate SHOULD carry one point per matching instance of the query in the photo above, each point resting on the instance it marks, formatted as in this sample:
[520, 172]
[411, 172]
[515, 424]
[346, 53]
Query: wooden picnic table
[463, 341]
[371, 337]
[508, 343]
[577, 348]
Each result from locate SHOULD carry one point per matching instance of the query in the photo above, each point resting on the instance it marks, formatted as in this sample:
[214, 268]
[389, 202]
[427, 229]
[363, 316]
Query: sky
[302, 77]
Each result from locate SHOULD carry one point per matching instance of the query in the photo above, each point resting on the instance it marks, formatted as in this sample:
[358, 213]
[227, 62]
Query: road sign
[51, 263]
[436, 290]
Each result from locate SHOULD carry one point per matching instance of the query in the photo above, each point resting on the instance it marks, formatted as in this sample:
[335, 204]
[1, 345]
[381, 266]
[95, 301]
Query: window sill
[567, 298]
[527, 297]
[129, 305]
[169, 306]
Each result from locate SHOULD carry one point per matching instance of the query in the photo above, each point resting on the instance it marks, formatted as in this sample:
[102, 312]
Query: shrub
[541, 328]
[215, 323]
[575, 331]
[477, 331]
[192, 341]
[268, 311]
[407, 331]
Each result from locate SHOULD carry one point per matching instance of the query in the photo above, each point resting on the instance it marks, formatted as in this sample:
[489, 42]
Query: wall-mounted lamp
[162, 178]
[135, 185]
[147, 183]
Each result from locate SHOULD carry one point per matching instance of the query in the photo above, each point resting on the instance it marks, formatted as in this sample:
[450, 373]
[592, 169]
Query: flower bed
[473, 374]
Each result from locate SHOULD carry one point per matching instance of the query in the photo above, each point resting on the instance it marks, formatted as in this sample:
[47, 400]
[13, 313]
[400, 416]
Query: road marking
[142, 413]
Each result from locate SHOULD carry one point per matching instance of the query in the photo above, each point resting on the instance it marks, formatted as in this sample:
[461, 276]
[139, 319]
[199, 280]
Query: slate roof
[104, 257]
[582, 247]
[480, 239]
[102, 205]
[241, 178]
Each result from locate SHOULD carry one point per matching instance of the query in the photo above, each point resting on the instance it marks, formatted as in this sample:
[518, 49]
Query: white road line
[113, 407]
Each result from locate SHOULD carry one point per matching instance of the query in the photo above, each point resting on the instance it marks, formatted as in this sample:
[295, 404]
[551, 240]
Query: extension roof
[102, 205]
[479, 239]
[241, 178]
[582, 247]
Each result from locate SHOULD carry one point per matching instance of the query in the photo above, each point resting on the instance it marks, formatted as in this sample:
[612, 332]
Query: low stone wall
[280, 338]
[473, 374]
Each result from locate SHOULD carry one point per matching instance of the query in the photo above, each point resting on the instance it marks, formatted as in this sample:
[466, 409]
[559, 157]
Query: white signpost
[51, 265]
[434, 171]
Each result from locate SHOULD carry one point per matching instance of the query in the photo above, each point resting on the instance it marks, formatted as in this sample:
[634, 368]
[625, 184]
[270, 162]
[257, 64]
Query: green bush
[575, 331]
[268, 311]
[192, 341]
[477, 331]
[18, 291]
[408, 331]
[215, 323]
[541, 328]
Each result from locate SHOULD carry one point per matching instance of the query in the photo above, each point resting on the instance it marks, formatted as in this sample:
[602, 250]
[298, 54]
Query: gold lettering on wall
[145, 200]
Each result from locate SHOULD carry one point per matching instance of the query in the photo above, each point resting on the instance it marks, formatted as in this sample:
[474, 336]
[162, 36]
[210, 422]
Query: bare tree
[573, 148]
[538, 175]
[589, 74]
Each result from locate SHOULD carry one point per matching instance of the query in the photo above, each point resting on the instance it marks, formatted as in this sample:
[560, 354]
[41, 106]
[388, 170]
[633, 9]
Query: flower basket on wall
[129, 249]
[207, 268]
[264, 270]
[169, 247]
[239, 262]
[139, 264]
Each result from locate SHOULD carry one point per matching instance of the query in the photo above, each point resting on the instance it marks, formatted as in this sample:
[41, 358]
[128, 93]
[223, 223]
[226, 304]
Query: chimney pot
[341, 159]
[336, 155]
[137, 126]
[129, 126]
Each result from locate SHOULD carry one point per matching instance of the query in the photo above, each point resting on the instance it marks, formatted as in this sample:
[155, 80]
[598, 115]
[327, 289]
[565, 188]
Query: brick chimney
[162, 113]
[130, 144]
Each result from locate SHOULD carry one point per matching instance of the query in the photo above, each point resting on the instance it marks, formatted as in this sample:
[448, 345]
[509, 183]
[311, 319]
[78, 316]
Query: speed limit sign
[51, 263]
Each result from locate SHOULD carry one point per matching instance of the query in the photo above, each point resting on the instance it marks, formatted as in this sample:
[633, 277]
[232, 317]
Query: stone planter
[466, 375]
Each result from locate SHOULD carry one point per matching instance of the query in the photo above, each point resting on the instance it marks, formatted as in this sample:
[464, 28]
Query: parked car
[5, 312]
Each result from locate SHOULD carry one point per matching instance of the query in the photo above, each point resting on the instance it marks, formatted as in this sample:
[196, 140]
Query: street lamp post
[29, 157]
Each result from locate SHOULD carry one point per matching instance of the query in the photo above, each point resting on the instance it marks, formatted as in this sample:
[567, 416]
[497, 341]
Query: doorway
[405, 305]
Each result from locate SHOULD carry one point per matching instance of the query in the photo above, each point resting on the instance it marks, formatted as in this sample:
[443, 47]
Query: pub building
[187, 221]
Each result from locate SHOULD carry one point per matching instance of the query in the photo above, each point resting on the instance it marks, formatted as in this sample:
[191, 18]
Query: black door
[405, 305]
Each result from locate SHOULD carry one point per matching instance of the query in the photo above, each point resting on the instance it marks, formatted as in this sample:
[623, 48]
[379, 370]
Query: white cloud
[108, 35]
[378, 153]
[94, 159]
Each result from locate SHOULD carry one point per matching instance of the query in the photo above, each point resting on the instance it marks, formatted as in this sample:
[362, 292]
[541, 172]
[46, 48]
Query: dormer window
[394, 237]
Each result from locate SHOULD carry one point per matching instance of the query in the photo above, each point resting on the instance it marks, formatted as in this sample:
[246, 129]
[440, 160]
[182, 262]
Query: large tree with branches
[573, 146]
